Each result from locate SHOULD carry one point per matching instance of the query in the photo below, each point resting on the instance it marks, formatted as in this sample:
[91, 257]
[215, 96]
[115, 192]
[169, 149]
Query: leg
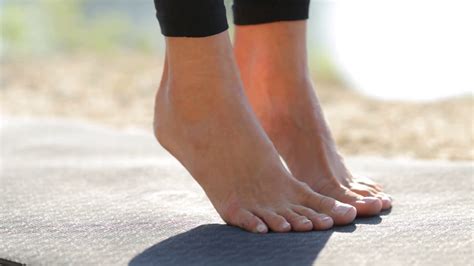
[203, 118]
[273, 63]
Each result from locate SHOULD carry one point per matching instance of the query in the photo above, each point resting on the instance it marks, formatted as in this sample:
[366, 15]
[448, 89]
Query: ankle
[188, 100]
[272, 51]
[194, 85]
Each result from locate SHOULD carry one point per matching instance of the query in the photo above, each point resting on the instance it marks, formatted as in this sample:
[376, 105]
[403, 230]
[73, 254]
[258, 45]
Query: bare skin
[274, 69]
[203, 118]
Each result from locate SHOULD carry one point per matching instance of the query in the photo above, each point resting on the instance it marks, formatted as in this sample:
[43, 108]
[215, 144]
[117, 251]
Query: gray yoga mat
[73, 193]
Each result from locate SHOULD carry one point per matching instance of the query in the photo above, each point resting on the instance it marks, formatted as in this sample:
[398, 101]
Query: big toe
[386, 201]
[341, 213]
[367, 206]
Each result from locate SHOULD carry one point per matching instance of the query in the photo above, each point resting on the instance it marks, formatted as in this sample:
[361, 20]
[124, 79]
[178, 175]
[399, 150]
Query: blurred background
[396, 78]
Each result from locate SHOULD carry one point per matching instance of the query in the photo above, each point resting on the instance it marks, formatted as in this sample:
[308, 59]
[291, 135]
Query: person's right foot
[202, 117]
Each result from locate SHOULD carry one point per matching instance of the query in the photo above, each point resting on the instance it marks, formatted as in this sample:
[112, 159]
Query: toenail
[261, 228]
[326, 220]
[385, 196]
[341, 208]
[285, 226]
[305, 221]
[367, 200]
[386, 204]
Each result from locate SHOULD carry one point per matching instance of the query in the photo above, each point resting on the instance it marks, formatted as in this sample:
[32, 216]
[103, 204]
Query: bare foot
[273, 64]
[203, 118]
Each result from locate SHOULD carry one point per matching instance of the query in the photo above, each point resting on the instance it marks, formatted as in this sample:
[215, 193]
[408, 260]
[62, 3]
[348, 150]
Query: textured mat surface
[79, 194]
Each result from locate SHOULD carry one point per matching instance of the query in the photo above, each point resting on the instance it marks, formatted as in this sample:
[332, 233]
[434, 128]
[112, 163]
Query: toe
[386, 201]
[366, 206]
[275, 222]
[247, 221]
[363, 190]
[369, 182]
[298, 222]
[341, 213]
[319, 221]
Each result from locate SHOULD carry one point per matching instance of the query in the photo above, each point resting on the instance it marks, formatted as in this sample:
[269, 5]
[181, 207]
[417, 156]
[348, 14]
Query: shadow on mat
[216, 244]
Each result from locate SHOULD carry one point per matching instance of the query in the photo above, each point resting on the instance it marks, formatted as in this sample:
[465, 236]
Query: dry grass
[120, 91]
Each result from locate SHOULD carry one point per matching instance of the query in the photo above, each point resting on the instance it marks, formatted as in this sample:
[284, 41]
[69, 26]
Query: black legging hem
[202, 18]
[250, 12]
[195, 18]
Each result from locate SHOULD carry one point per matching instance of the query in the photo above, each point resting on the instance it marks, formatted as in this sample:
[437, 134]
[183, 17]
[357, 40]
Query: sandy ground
[119, 91]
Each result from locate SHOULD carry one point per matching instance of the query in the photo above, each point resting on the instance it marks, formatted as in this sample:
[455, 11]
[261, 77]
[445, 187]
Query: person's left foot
[291, 116]
[278, 86]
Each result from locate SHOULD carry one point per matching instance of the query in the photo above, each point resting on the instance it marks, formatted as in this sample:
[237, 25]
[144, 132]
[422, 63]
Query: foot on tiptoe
[203, 119]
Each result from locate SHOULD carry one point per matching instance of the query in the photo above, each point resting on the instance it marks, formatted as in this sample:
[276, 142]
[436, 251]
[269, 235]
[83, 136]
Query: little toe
[298, 222]
[319, 221]
[275, 222]
[248, 221]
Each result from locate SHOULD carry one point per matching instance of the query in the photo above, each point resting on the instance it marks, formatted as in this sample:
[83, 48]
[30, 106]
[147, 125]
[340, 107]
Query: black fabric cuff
[249, 12]
[191, 18]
